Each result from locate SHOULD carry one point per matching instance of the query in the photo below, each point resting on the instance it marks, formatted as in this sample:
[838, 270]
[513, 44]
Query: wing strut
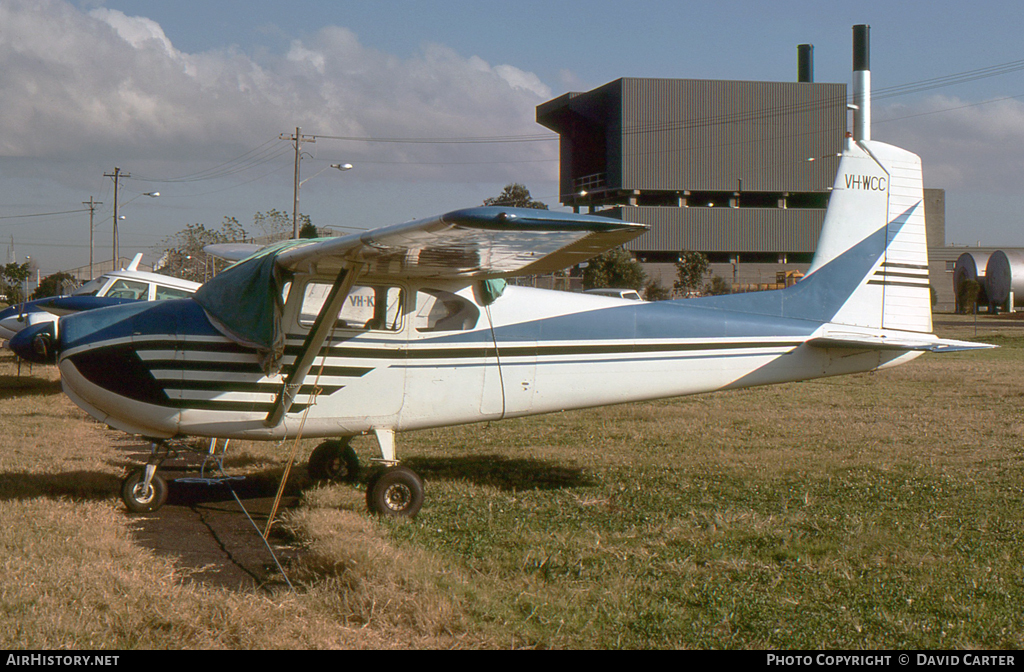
[314, 341]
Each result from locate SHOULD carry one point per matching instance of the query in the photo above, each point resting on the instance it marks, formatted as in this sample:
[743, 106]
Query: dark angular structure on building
[738, 170]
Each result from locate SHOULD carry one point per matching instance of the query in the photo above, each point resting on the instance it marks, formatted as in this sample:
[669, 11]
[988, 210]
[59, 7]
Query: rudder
[878, 198]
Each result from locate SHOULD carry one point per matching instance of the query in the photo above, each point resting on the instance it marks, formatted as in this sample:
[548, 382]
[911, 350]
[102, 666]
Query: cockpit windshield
[90, 288]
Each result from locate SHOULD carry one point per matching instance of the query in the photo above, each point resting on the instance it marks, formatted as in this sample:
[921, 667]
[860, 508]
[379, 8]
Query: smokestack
[805, 62]
[862, 82]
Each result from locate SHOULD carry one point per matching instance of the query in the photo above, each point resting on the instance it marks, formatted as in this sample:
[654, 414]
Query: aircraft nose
[36, 344]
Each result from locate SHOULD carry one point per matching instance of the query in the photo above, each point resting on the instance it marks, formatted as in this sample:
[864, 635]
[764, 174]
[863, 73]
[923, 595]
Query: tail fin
[876, 213]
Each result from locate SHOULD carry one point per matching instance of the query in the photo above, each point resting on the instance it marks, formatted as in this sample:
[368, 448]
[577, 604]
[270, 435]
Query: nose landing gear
[143, 491]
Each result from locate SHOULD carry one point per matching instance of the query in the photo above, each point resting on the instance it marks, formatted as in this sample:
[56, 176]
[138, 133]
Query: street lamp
[117, 242]
[295, 204]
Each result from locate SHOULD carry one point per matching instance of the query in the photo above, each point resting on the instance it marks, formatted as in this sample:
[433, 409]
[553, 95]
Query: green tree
[655, 291]
[690, 271]
[183, 252]
[57, 284]
[274, 225]
[716, 286]
[516, 195]
[307, 230]
[14, 276]
[614, 268]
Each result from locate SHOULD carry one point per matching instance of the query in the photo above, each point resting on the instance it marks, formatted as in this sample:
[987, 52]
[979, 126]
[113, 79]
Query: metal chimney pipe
[862, 82]
[805, 62]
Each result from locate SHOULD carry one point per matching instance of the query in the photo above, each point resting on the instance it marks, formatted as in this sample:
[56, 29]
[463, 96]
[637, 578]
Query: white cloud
[136, 30]
[103, 84]
[964, 145]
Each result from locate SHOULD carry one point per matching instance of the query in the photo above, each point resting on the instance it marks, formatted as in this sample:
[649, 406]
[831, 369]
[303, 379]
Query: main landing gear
[393, 490]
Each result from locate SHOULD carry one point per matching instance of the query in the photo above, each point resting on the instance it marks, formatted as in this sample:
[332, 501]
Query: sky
[192, 99]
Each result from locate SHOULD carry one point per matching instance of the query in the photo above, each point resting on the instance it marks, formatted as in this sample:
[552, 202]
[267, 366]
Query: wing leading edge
[486, 242]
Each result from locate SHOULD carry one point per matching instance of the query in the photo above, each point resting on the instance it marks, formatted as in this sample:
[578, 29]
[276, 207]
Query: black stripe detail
[229, 386]
[169, 343]
[253, 368]
[912, 276]
[545, 350]
[119, 369]
[888, 283]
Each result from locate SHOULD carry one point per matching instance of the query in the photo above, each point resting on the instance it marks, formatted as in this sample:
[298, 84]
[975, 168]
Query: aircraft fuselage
[411, 355]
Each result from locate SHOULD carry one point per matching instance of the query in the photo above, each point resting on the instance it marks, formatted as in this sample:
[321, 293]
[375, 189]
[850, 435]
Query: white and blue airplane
[411, 326]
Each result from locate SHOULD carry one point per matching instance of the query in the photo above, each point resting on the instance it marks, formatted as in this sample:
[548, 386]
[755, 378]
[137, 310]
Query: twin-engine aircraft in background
[110, 289]
[411, 326]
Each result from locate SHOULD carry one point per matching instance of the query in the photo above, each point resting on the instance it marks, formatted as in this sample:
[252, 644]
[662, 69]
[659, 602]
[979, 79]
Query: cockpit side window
[367, 307]
[128, 289]
[438, 310]
[164, 293]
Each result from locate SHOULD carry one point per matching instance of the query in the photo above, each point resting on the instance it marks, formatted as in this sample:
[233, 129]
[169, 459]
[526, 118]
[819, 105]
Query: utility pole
[92, 208]
[116, 175]
[298, 139]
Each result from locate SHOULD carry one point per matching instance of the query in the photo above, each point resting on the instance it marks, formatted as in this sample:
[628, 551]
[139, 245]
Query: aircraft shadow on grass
[502, 472]
[25, 386]
[73, 485]
[506, 474]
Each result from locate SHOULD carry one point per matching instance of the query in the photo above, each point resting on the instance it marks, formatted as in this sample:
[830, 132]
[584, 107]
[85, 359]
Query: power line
[45, 214]
[492, 139]
[254, 157]
[269, 151]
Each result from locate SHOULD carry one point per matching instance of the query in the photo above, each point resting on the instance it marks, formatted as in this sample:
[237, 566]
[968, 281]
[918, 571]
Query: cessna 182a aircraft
[410, 326]
[407, 327]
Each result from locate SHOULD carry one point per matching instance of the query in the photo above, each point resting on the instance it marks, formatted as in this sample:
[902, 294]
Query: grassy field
[883, 510]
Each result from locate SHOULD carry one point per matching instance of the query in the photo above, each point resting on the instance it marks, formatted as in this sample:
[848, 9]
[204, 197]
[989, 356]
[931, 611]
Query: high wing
[244, 301]
[486, 242]
[474, 242]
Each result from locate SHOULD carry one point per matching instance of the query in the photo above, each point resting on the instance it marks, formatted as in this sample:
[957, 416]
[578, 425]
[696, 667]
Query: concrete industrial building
[738, 170]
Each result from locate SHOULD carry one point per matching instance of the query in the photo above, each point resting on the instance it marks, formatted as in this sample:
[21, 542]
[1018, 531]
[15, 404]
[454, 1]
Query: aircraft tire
[139, 501]
[334, 461]
[396, 492]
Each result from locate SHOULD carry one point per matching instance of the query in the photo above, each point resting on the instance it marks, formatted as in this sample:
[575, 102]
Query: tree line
[183, 256]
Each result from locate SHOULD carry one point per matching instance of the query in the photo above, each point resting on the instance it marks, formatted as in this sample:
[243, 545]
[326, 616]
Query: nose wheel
[142, 495]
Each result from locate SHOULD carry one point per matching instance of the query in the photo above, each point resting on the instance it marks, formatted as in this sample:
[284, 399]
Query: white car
[631, 294]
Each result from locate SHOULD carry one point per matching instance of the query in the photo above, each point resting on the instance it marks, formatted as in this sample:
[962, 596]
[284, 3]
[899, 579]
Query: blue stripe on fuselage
[792, 312]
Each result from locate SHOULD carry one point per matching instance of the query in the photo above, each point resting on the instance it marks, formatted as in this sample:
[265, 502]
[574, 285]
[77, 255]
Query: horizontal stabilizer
[899, 341]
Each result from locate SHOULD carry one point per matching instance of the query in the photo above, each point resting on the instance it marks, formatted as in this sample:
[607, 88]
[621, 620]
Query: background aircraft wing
[486, 242]
[232, 251]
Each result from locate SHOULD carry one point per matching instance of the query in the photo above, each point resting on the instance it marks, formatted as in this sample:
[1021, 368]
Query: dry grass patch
[871, 511]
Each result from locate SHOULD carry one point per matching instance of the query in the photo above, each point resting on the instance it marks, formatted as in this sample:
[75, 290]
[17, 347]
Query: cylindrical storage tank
[1004, 273]
[970, 266]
